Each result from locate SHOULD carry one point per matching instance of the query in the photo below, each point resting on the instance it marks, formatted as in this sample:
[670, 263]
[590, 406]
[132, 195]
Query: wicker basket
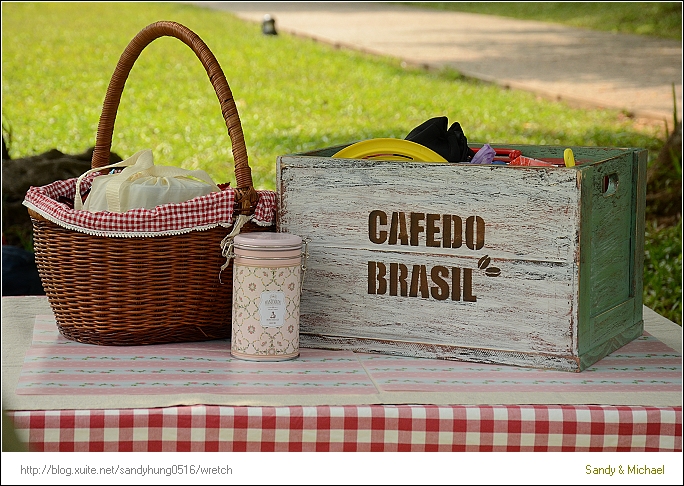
[145, 290]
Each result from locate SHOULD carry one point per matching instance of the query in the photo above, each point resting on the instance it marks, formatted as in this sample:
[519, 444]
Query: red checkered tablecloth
[356, 428]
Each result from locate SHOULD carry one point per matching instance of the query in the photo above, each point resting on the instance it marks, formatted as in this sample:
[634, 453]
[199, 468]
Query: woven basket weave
[145, 290]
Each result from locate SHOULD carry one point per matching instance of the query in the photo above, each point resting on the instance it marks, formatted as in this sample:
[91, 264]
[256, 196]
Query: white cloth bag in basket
[141, 184]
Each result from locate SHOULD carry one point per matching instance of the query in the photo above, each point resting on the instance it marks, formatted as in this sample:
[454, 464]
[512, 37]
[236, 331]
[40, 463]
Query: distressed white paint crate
[529, 266]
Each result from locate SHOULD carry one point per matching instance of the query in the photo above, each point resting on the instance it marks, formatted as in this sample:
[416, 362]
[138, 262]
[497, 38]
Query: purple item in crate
[484, 156]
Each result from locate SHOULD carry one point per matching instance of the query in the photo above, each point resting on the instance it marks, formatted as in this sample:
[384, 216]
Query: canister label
[272, 309]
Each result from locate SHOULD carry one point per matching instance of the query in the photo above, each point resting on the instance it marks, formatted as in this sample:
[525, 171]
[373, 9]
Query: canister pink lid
[267, 240]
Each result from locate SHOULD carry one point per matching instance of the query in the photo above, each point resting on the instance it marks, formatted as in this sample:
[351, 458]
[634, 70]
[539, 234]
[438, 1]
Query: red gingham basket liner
[201, 213]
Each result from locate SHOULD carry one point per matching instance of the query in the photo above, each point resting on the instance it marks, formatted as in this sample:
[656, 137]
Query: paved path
[582, 67]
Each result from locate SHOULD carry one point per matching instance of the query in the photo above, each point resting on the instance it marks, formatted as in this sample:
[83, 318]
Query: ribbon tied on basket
[141, 184]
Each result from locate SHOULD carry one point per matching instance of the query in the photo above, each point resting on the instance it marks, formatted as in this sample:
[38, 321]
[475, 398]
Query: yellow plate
[389, 149]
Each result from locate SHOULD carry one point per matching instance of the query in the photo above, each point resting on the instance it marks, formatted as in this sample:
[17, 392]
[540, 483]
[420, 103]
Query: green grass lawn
[292, 95]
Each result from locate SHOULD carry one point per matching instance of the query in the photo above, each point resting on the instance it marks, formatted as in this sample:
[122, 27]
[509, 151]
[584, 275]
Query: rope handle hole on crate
[610, 184]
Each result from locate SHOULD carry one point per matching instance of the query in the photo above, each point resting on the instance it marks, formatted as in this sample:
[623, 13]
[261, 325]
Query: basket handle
[246, 196]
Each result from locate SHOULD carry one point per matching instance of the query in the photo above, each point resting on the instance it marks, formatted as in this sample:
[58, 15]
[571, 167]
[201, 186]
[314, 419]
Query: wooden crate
[529, 266]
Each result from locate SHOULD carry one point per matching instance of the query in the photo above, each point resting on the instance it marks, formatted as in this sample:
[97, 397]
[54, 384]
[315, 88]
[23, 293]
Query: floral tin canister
[267, 282]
